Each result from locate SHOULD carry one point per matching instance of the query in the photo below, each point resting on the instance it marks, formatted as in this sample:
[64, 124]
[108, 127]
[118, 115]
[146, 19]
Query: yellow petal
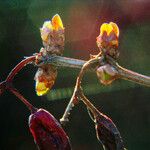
[47, 24]
[41, 88]
[105, 27]
[57, 22]
[45, 30]
[44, 35]
[115, 28]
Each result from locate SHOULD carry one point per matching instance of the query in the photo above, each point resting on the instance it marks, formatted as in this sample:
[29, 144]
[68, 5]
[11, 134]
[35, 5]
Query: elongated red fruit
[108, 134]
[47, 132]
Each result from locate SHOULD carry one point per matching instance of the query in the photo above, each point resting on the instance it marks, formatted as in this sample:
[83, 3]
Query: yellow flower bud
[41, 88]
[50, 26]
[107, 41]
[45, 78]
[45, 30]
[57, 22]
[109, 28]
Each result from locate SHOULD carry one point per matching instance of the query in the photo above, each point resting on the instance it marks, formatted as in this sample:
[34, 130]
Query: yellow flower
[50, 26]
[46, 29]
[45, 78]
[41, 88]
[107, 41]
[109, 28]
[57, 22]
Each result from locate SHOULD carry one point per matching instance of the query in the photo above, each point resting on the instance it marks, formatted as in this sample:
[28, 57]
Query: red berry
[47, 132]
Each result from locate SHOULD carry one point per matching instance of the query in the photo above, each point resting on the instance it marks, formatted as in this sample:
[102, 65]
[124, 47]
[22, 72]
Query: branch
[106, 130]
[133, 76]
[74, 98]
[25, 101]
[130, 75]
[60, 61]
[77, 63]
[8, 82]
[18, 67]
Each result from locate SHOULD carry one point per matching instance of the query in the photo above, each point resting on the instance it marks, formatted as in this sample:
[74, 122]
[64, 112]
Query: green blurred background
[128, 104]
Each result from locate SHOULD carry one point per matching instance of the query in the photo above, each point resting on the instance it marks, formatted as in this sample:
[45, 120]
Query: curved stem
[76, 95]
[8, 82]
[18, 67]
[89, 105]
[25, 101]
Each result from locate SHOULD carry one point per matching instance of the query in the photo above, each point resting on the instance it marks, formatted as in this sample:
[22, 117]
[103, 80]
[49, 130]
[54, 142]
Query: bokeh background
[128, 104]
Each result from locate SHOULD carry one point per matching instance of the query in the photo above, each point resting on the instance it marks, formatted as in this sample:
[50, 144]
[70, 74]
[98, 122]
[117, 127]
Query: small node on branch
[107, 74]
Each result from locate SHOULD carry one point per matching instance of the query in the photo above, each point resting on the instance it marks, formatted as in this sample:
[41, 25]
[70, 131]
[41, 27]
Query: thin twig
[8, 82]
[76, 92]
[77, 63]
[107, 131]
[88, 104]
[18, 67]
[25, 101]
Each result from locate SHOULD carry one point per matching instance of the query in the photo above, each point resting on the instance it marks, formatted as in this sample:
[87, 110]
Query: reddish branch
[8, 82]
[18, 67]
[25, 101]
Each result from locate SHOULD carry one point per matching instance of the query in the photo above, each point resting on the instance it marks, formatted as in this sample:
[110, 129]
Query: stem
[128, 74]
[122, 72]
[62, 61]
[18, 67]
[76, 92]
[133, 76]
[89, 105]
[25, 101]
[77, 63]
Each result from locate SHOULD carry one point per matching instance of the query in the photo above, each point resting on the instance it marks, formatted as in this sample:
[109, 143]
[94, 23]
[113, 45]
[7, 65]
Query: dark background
[128, 104]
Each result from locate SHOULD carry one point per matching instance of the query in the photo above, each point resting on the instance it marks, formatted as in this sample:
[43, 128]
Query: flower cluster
[45, 78]
[52, 34]
[107, 42]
